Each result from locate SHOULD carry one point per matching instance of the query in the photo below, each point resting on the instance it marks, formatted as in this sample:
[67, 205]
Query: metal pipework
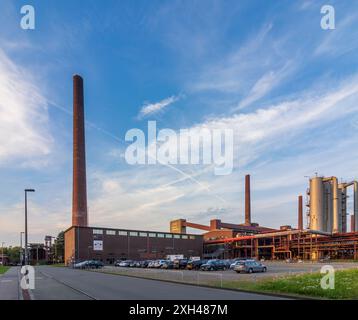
[336, 219]
[352, 223]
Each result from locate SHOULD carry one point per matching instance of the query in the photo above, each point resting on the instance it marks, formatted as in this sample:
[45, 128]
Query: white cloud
[24, 135]
[150, 108]
[264, 85]
[153, 195]
[341, 40]
[235, 71]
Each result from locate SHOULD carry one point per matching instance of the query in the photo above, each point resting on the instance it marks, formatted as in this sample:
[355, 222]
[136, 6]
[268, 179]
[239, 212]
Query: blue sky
[263, 68]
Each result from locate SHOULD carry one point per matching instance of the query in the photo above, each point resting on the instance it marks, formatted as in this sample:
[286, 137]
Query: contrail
[111, 135]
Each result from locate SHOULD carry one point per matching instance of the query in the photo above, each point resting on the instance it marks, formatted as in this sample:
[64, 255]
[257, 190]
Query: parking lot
[274, 270]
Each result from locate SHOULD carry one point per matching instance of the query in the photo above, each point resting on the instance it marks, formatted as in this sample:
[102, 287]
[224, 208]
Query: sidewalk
[9, 285]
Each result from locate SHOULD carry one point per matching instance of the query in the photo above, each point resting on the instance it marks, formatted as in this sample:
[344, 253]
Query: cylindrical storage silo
[316, 204]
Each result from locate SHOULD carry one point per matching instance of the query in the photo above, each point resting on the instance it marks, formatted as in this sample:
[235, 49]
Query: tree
[13, 254]
[59, 247]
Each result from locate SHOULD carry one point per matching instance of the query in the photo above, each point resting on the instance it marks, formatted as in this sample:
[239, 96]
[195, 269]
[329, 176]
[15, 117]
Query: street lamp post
[26, 251]
[2, 253]
[21, 252]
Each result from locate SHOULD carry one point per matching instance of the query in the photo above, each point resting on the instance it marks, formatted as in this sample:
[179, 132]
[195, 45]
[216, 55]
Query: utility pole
[2, 253]
[26, 235]
[21, 252]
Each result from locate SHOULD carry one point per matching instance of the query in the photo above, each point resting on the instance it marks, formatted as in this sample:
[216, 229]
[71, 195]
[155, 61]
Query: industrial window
[111, 232]
[152, 235]
[97, 231]
[122, 233]
[168, 235]
[177, 236]
[133, 234]
[143, 234]
[184, 236]
[160, 235]
[192, 237]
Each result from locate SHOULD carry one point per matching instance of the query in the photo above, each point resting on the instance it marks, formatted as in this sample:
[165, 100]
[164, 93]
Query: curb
[278, 295]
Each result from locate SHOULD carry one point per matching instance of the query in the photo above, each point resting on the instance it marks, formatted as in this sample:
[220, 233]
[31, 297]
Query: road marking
[6, 281]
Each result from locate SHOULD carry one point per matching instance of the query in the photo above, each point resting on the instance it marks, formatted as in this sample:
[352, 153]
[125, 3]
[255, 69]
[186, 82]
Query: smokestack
[352, 223]
[247, 200]
[79, 189]
[300, 213]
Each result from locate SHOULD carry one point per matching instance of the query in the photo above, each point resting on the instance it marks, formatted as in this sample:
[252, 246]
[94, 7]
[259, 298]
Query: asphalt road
[54, 283]
[9, 285]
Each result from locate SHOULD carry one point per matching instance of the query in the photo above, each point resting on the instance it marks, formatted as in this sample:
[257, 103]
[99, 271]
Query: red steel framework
[292, 244]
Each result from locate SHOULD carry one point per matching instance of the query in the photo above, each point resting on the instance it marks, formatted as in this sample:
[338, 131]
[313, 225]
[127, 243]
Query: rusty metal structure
[79, 189]
[325, 237]
[290, 244]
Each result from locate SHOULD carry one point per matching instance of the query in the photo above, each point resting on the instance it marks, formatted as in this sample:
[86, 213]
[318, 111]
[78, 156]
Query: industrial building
[109, 245]
[325, 235]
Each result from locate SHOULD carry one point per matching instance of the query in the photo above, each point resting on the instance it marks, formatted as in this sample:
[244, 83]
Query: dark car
[250, 267]
[94, 264]
[195, 264]
[213, 265]
[144, 264]
[89, 264]
[180, 263]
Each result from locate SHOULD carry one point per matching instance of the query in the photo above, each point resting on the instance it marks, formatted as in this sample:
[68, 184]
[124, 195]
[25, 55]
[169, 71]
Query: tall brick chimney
[300, 213]
[247, 201]
[79, 189]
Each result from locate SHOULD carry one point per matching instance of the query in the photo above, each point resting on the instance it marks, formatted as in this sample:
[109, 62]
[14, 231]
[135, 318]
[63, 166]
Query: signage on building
[98, 245]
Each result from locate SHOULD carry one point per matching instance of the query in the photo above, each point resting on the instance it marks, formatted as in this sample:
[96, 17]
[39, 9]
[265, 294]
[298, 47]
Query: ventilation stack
[300, 213]
[79, 189]
[247, 201]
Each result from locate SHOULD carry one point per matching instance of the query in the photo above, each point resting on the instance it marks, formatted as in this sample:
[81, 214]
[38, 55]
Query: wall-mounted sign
[98, 245]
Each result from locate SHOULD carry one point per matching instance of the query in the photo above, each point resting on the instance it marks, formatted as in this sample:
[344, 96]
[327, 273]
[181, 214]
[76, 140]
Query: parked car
[213, 265]
[180, 263]
[151, 264]
[144, 264]
[237, 261]
[80, 265]
[125, 263]
[160, 263]
[95, 264]
[227, 263]
[168, 265]
[195, 264]
[88, 264]
[250, 267]
[132, 264]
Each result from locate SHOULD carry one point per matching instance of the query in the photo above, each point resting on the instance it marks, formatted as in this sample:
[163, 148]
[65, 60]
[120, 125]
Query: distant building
[6, 260]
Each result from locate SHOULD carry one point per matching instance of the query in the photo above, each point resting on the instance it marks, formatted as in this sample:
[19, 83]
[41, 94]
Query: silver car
[250, 267]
